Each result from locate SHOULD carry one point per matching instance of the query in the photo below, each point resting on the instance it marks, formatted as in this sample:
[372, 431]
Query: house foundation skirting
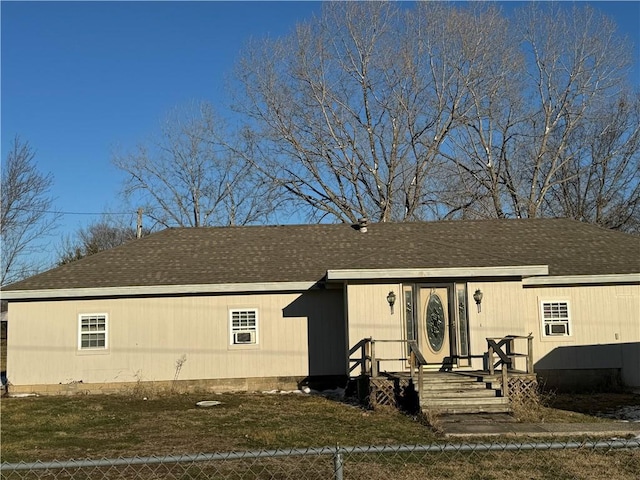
[146, 388]
[386, 392]
[585, 380]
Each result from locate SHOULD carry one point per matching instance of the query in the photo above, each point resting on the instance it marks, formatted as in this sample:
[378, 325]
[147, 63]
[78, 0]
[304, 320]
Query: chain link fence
[612, 459]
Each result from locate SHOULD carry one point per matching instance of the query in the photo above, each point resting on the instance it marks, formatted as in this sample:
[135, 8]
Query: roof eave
[619, 278]
[451, 272]
[152, 290]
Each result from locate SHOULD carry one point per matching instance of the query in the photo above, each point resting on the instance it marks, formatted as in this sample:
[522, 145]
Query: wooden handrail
[504, 348]
[369, 361]
[413, 348]
[416, 359]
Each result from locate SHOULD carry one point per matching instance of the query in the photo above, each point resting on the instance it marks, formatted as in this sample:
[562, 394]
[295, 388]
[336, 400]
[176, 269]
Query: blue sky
[79, 78]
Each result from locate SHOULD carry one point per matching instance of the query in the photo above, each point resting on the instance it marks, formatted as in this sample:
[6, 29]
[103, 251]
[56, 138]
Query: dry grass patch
[432, 418]
[47, 428]
[496, 465]
[550, 407]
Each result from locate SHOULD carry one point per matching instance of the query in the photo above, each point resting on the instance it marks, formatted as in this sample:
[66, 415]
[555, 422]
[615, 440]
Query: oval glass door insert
[435, 322]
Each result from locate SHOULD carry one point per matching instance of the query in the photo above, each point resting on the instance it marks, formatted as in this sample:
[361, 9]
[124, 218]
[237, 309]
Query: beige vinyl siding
[147, 336]
[369, 315]
[597, 314]
[503, 312]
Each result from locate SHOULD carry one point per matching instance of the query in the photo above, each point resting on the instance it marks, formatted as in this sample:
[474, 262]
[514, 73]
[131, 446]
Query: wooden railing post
[505, 380]
[374, 363]
[510, 349]
[505, 349]
[371, 363]
[490, 354]
[412, 364]
[366, 348]
[417, 360]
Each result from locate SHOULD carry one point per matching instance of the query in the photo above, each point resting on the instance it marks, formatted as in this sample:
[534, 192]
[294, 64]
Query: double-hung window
[244, 326]
[555, 319]
[92, 331]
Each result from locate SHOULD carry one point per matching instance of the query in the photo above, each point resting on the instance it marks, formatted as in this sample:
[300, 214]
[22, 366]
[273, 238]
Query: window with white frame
[244, 326]
[555, 319]
[92, 331]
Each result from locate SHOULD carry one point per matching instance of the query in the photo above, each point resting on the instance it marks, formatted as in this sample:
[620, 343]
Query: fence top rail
[434, 448]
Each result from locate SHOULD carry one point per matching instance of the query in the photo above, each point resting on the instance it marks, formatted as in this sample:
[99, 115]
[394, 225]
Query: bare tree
[187, 178]
[481, 52]
[535, 147]
[25, 216]
[578, 61]
[347, 114]
[439, 111]
[94, 238]
[602, 185]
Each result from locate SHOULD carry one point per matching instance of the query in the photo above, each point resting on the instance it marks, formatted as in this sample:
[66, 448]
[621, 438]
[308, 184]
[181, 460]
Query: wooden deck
[450, 389]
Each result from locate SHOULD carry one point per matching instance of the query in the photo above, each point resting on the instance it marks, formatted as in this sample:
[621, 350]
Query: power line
[59, 212]
[93, 213]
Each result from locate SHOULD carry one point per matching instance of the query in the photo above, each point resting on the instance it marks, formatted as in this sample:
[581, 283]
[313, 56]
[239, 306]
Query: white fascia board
[583, 279]
[156, 290]
[456, 272]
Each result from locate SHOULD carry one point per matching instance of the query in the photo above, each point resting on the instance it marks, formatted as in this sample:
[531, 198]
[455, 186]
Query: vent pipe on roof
[362, 224]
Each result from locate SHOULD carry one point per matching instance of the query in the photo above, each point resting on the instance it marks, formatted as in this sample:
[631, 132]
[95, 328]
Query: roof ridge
[304, 252]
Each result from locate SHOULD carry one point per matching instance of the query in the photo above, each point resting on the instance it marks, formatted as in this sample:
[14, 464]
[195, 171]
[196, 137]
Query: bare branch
[187, 178]
[25, 213]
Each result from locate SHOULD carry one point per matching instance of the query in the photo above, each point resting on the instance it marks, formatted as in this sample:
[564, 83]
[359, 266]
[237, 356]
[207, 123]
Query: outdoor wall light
[477, 296]
[391, 299]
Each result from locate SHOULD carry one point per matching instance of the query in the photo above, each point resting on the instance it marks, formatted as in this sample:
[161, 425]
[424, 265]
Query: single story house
[263, 307]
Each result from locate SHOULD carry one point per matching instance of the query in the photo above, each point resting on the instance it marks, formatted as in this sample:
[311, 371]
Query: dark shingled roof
[297, 253]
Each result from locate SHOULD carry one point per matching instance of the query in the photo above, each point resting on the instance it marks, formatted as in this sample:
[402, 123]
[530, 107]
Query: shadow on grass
[601, 405]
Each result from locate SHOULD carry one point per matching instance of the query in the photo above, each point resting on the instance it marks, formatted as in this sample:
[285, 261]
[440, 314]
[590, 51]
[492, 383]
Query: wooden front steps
[452, 393]
[459, 391]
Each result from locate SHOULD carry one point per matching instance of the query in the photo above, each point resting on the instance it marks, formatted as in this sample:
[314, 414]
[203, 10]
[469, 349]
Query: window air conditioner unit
[557, 329]
[244, 337]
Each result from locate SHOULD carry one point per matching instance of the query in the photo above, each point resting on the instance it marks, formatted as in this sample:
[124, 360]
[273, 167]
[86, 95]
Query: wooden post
[529, 354]
[412, 365]
[374, 363]
[505, 380]
[420, 378]
[490, 354]
[511, 349]
[366, 348]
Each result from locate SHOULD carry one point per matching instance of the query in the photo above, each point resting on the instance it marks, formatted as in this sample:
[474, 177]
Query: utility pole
[139, 226]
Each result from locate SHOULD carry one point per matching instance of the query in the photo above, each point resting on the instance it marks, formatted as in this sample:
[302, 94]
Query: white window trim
[543, 322]
[106, 332]
[256, 329]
